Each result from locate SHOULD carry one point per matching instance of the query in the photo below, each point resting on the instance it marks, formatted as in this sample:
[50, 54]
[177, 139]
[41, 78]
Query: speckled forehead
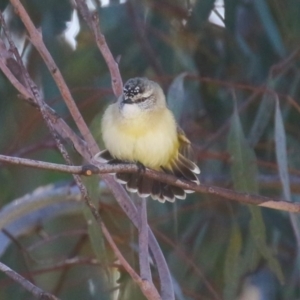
[135, 88]
[131, 90]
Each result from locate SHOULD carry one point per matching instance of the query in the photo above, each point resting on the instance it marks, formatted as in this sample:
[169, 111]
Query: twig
[188, 260]
[132, 168]
[284, 64]
[145, 271]
[37, 40]
[66, 132]
[93, 22]
[147, 287]
[222, 130]
[117, 190]
[141, 35]
[58, 123]
[38, 43]
[34, 290]
[23, 251]
[70, 262]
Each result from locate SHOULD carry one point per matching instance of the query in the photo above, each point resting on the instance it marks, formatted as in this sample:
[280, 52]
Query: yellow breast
[150, 138]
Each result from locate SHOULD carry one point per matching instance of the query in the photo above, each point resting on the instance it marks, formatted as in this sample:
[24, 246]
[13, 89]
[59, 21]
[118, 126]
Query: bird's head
[141, 95]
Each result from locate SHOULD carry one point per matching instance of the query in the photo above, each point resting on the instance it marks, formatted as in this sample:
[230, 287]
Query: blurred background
[230, 70]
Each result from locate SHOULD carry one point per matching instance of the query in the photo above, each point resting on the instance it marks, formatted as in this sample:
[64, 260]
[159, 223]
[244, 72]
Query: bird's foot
[141, 168]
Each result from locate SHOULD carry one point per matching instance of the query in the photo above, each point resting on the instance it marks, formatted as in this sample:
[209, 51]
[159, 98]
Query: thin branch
[222, 130]
[98, 168]
[145, 271]
[37, 40]
[117, 190]
[58, 123]
[142, 37]
[34, 290]
[66, 132]
[71, 260]
[15, 82]
[93, 22]
[284, 64]
[147, 287]
[189, 261]
[23, 251]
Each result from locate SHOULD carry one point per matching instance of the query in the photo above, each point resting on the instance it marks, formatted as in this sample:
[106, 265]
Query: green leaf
[262, 118]
[270, 26]
[281, 154]
[250, 257]
[176, 96]
[94, 230]
[243, 168]
[258, 231]
[244, 174]
[232, 270]
[230, 7]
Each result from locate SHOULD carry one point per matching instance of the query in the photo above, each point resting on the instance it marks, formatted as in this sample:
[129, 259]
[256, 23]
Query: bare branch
[37, 40]
[99, 168]
[34, 290]
[93, 22]
[143, 240]
[117, 190]
[58, 123]
[147, 287]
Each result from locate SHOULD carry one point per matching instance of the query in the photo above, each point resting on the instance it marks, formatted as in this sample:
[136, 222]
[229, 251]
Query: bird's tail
[181, 167]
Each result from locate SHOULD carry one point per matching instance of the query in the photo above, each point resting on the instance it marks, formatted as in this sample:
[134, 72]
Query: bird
[140, 128]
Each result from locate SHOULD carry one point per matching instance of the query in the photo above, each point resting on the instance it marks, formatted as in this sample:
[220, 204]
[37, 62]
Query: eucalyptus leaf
[232, 268]
[95, 233]
[281, 153]
[243, 167]
[244, 174]
[176, 96]
[262, 118]
[270, 26]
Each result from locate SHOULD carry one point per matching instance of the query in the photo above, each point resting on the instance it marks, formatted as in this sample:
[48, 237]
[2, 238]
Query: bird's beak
[127, 101]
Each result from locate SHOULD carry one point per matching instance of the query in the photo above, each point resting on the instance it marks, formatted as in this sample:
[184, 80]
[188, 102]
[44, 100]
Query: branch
[37, 40]
[93, 22]
[34, 290]
[99, 168]
[143, 240]
[91, 147]
[58, 123]
[142, 37]
[147, 287]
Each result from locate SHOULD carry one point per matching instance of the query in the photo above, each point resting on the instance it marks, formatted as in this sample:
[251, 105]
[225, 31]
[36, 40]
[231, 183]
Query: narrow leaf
[270, 26]
[282, 162]
[281, 154]
[262, 118]
[258, 231]
[232, 270]
[176, 96]
[243, 168]
[95, 233]
[244, 174]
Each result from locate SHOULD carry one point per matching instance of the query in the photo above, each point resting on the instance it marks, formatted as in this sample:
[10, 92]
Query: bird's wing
[185, 146]
[186, 153]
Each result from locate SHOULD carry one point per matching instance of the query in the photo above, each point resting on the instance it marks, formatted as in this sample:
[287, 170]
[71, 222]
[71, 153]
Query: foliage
[234, 91]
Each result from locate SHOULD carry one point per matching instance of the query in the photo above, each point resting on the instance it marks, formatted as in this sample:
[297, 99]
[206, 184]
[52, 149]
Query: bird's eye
[141, 100]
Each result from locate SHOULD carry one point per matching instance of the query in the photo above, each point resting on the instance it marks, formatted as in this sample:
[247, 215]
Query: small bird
[139, 128]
